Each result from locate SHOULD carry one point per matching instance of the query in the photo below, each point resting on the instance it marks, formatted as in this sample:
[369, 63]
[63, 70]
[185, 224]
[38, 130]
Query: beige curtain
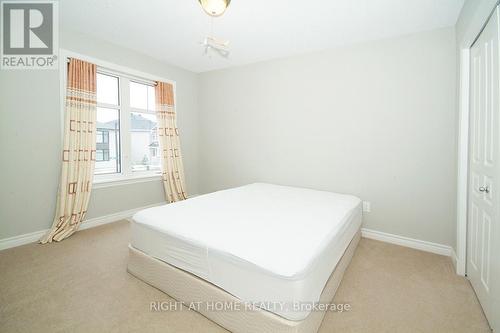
[168, 134]
[78, 156]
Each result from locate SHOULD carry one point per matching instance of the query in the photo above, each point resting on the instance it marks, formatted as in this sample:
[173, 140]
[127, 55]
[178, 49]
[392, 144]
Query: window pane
[108, 145]
[144, 141]
[138, 95]
[107, 89]
[99, 155]
[99, 137]
[151, 98]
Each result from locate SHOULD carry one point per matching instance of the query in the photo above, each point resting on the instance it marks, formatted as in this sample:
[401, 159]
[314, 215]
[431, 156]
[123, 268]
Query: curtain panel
[79, 149]
[168, 135]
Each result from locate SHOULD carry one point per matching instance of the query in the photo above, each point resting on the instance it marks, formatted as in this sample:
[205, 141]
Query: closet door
[483, 244]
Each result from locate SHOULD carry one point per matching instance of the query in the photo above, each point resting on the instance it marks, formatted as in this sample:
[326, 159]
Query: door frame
[480, 19]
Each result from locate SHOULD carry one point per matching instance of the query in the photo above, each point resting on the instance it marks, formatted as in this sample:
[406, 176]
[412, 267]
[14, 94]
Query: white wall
[372, 119]
[376, 120]
[472, 18]
[30, 140]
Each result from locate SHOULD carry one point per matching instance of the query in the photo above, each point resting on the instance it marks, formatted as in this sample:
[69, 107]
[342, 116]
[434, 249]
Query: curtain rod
[123, 74]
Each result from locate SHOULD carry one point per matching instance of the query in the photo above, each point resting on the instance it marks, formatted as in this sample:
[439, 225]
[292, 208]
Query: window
[142, 96]
[143, 128]
[126, 136]
[99, 155]
[99, 137]
[108, 125]
[102, 136]
[102, 155]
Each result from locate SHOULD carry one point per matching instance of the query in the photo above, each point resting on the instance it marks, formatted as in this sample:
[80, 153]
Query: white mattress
[272, 245]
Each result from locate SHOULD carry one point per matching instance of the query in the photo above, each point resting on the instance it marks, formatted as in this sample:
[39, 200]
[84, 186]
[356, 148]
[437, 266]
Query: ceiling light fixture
[214, 7]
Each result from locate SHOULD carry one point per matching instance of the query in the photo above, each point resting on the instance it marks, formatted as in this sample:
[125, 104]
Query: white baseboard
[33, 237]
[408, 242]
[454, 260]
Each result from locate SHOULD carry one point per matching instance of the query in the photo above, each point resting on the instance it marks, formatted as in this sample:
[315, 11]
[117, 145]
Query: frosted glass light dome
[214, 7]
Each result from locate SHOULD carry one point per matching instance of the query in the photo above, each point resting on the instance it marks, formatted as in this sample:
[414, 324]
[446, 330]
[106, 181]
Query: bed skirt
[190, 289]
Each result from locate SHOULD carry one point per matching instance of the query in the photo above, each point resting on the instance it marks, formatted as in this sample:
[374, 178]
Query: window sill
[102, 182]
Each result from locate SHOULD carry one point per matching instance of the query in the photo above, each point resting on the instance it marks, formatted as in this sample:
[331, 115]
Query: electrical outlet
[367, 206]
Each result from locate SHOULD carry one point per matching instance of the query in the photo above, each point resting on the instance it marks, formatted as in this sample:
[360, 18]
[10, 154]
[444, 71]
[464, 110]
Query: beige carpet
[81, 285]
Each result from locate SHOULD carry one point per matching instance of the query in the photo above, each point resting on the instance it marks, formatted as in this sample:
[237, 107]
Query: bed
[275, 249]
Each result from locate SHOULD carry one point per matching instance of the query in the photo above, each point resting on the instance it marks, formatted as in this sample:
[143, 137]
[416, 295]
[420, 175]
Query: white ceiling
[171, 30]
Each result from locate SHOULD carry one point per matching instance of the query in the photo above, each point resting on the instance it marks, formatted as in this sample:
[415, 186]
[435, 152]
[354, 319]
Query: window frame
[125, 75]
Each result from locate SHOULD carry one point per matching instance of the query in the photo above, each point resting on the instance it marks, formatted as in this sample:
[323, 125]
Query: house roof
[137, 123]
